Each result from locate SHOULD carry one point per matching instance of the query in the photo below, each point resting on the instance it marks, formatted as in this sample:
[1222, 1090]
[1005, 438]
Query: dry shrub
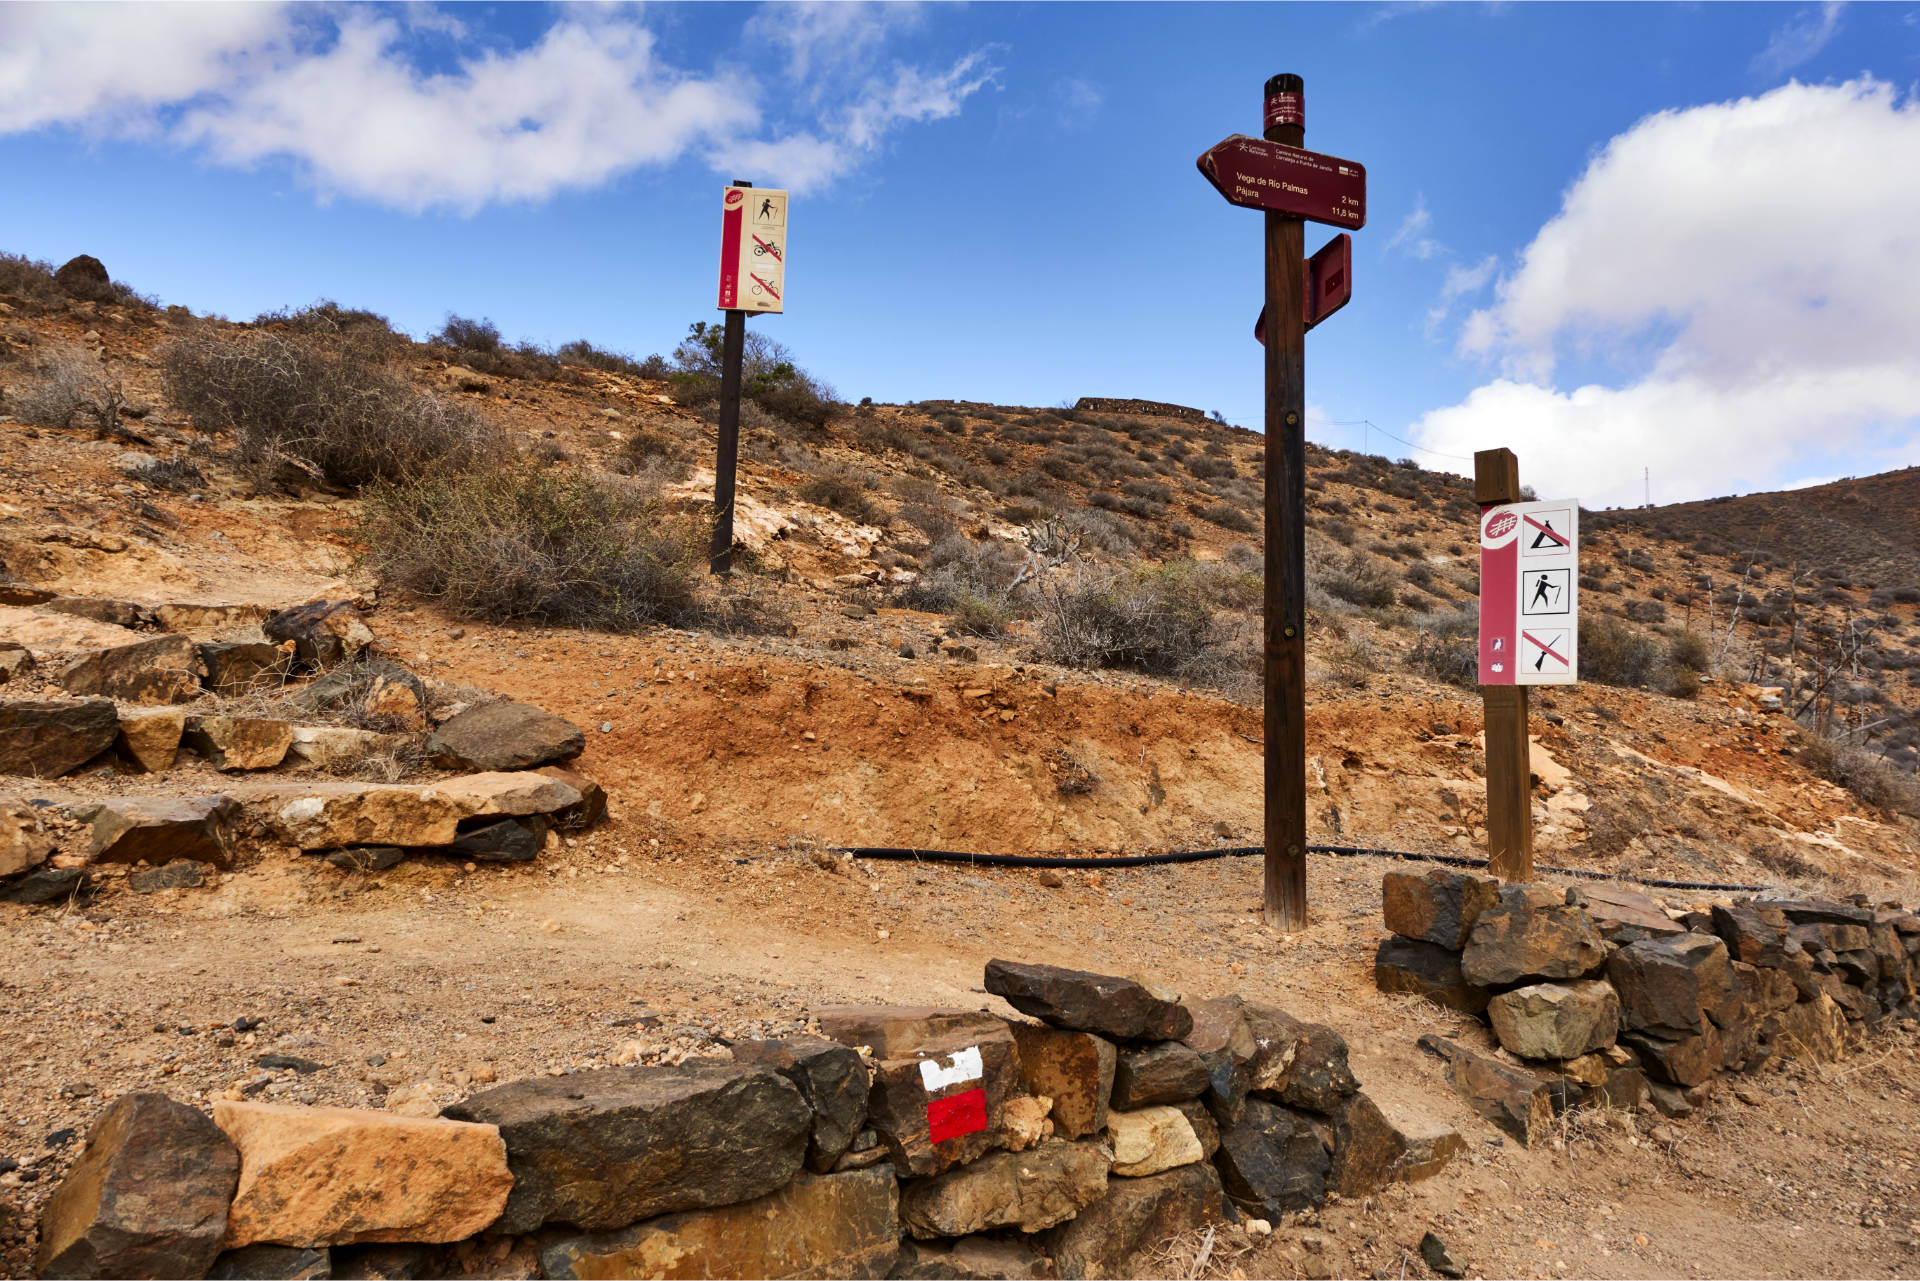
[968, 582]
[71, 388]
[1355, 578]
[1447, 647]
[1615, 654]
[847, 492]
[322, 408]
[1161, 621]
[520, 544]
[1869, 776]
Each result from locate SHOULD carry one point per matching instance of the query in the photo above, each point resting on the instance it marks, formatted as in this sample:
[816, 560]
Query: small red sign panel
[1329, 284]
[1257, 174]
[957, 1115]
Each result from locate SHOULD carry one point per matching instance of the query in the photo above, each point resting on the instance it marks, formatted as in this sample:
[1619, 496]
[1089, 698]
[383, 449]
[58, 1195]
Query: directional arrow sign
[1257, 174]
[1329, 284]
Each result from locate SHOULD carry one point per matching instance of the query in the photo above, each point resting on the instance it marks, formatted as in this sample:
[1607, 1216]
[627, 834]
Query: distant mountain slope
[1865, 529]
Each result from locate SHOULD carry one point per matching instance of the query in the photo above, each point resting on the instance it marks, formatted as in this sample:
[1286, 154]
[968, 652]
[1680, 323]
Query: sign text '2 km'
[1256, 174]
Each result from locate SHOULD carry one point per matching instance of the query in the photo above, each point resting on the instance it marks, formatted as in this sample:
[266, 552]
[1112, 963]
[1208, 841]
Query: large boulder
[1815, 1030]
[1754, 935]
[500, 840]
[1136, 1214]
[1409, 966]
[1104, 1004]
[44, 739]
[231, 743]
[945, 1106]
[160, 829]
[834, 1225]
[84, 277]
[1556, 1021]
[165, 669]
[1074, 1069]
[1152, 1139]
[1532, 933]
[337, 1176]
[1300, 1064]
[45, 885]
[504, 736]
[1514, 1100]
[602, 1149]
[1668, 986]
[1028, 1191]
[324, 633]
[1275, 1160]
[25, 842]
[830, 1077]
[1165, 1072]
[147, 1198]
[1439, 907]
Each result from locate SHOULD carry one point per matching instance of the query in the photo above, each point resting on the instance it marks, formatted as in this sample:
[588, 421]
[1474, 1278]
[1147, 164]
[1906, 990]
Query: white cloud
[1799, 40]
[112, 63]
[1080, 102]
[1751, 268]
[1460, 282]
[339, 93]
[1411, 234]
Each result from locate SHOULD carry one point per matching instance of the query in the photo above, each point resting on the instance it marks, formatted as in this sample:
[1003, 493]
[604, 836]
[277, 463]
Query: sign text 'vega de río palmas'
[1257, 174]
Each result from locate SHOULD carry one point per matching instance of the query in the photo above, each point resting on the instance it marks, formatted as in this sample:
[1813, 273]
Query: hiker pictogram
[1546, 591]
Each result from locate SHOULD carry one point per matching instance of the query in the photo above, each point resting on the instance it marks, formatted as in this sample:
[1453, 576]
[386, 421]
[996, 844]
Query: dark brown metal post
[733, 345]
[1496, 479]
[1285, 631]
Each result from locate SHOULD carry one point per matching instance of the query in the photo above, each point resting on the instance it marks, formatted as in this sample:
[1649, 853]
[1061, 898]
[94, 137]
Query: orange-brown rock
[337, 1176]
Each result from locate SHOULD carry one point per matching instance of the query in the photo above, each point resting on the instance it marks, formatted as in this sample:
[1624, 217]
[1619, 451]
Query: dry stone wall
[907, 1142]
[1151, 408]
[1599, 993]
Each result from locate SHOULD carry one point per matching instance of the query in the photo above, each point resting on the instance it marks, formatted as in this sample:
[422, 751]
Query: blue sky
[1682, 238]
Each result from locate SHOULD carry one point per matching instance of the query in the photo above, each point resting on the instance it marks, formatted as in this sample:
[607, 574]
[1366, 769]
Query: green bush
[323, 409]
[514, 543]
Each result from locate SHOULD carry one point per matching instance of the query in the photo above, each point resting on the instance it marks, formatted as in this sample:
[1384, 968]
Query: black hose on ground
[894, 853]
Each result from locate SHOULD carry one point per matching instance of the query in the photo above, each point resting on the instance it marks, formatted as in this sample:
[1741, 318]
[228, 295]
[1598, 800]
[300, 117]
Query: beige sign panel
[753, 249]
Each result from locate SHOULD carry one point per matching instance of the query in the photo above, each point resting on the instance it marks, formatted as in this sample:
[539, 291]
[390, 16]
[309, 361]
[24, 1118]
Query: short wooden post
[1496, 479]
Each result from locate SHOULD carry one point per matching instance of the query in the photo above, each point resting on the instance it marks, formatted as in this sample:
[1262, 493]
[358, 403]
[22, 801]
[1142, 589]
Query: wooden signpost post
[1292, 186]
[753, 277]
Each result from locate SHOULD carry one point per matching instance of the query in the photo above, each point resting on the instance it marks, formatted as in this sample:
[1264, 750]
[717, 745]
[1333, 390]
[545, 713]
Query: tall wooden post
[1285, 630]
[1496, 479]
[733, 343]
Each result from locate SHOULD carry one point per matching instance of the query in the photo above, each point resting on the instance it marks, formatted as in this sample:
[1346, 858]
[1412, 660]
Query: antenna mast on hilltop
[1646, 477]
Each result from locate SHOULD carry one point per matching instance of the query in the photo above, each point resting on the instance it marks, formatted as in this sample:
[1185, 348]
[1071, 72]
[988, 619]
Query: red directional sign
[1329, 284]
[1258, 174]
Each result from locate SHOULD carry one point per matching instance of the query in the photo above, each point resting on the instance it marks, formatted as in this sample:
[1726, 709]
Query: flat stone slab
[830, 1077]
[1437, 907]
[902, 1031]
[1624, 915]
[504, 736]
[1027, 1191]
[323, 814]
[231, 743]
[338, 1176]
[41, 738]
[1100, 1003]
[835, 1225]
[1531, 933]
[160, 829]
[602, 1149]
[163, 669]
[1168, 1072]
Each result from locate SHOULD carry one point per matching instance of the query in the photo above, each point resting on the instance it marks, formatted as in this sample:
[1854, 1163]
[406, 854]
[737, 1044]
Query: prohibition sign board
[1530, 593]
[753, 249]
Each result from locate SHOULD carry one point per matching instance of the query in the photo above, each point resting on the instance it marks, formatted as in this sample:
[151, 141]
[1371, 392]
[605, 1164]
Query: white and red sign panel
[954, 1113]
[1530, 593]
[753, 249]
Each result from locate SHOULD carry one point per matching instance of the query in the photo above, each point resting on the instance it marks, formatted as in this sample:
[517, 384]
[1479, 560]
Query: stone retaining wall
[1150, 408]
[1600, 993]
[903, 1142]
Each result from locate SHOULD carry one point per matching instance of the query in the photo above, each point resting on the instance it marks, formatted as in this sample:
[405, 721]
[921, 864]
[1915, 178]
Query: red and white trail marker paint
[955, 1115]
[1530, 593]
